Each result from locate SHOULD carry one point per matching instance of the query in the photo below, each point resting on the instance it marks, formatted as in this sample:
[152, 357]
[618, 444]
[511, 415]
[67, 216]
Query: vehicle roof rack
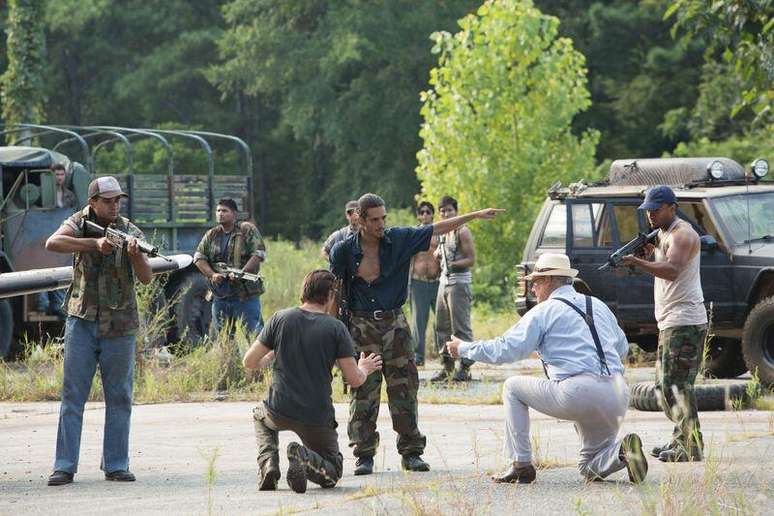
[674, 171]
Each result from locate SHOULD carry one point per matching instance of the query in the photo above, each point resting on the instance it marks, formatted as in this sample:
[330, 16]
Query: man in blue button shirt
[375, 263]
[582, 349]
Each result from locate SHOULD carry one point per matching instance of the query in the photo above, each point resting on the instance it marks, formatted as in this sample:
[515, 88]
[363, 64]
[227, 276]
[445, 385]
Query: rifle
[118, 239]
[634, 246]
[444, 259]
[223, 268]
[343, 312]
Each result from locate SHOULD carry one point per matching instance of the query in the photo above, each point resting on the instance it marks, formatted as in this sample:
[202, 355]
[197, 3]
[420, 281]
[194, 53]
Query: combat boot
[680, 454]
[270, 474]
[298, 460]
[364, 465]
[414, 462]
[656, 451]
[631, 454]
[462, 374]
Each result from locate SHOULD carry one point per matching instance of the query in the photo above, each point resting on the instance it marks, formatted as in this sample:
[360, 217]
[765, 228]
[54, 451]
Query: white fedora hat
[553, 264]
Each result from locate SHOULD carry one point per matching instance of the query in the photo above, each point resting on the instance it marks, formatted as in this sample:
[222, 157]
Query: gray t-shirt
[306, 346]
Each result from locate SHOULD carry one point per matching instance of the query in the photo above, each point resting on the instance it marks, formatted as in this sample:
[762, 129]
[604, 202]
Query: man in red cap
[101, 322]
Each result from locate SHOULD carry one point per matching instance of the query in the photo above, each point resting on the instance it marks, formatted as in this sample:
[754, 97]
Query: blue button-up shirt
[560, 336]
[390, 289]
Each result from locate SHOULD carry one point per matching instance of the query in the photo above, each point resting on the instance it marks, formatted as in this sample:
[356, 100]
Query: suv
[729, 207]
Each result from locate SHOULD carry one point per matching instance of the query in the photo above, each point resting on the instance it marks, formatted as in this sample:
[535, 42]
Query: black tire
[758, 341]
[643, 396]
[192, 311]
[724, 358]
[6, 328]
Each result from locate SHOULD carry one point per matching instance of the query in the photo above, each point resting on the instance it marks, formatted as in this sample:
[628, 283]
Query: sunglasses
[425, 212]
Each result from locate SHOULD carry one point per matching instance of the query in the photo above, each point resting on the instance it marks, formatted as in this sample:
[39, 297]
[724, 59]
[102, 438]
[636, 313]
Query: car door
[587, 248]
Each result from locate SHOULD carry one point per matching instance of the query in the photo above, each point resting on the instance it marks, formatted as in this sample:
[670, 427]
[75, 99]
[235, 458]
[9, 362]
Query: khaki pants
[325, 464]
[452, 317]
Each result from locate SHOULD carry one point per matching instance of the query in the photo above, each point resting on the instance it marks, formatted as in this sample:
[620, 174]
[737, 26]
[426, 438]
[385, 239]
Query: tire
[6, 328]
[758, 341]
[724, 358]
[709, 397]
[192, 311]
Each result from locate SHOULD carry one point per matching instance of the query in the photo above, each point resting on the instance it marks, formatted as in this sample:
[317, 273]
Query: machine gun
[444, 258]
[634, 246]
[118, 239]
[223, 268]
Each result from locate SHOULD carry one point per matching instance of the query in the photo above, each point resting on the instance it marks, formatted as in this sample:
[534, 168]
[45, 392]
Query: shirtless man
[375, 261]
[425, 269]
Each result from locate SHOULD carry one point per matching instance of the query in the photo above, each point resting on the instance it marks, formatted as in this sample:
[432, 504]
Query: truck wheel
[643, 396]
[6, 328]
[758, 341]
[192, 311]
[724, 358]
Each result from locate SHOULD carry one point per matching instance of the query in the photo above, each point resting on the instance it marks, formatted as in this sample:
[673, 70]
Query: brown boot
[515, 474]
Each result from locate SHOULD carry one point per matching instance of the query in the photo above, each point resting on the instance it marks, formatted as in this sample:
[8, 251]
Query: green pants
[452, 317]
[680, 351]
[391, 339]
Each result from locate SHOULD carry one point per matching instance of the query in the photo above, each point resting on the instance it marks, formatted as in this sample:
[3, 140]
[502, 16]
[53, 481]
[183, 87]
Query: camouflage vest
[100, 290]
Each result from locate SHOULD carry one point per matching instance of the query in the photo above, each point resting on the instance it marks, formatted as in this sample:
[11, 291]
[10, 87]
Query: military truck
[731, 208]
[173, 207]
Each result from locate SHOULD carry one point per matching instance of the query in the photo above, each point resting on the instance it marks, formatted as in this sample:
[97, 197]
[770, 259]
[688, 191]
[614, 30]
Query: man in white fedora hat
[582, 349]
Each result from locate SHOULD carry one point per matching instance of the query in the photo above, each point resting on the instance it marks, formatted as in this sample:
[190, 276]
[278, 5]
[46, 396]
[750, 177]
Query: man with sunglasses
[350, 213]
[425, 270]
[681, 318]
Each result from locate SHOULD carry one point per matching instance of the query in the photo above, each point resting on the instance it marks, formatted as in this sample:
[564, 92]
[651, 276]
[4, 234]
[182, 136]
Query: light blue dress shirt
[560, 336]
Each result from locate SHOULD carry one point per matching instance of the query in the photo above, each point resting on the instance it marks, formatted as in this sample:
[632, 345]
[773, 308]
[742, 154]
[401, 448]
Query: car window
[628, 221]
[733, 213]
[696, 214]
[585, 218]
[555, 232]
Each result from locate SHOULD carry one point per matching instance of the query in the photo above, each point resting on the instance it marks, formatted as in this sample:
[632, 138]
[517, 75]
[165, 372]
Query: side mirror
[708, 243]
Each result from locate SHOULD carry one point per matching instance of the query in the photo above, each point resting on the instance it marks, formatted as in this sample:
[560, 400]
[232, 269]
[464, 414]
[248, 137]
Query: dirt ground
[175, 448]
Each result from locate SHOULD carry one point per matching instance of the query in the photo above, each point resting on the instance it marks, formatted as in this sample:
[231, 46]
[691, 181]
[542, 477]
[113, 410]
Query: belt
[378, 315]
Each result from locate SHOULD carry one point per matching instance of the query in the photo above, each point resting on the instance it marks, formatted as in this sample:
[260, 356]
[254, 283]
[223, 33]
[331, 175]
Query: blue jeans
[51, 302]
[248, 310]
[423, 294]
[115, 356]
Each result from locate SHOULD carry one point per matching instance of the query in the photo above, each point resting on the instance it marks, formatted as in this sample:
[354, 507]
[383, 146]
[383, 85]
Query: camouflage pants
[392, 340]
[325, 464]
[452, 317]
[680, 351]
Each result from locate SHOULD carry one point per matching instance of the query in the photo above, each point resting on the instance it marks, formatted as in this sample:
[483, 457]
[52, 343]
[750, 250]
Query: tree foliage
[742, 33]
[22, 81]
[497, 121]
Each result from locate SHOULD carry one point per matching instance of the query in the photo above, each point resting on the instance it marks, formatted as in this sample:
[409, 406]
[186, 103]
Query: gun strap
[589, 318]
[239, 239]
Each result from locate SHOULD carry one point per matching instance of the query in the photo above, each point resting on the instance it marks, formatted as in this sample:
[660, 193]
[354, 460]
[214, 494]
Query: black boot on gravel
[60, 478]
[298, 460]
[414, 462]
[656, 451]
[364, 466]
[270, 475]
[441, 376]
[679, 454]
[122, 475]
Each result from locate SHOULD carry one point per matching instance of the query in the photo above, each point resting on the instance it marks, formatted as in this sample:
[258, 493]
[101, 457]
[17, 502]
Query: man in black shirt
[305, 343]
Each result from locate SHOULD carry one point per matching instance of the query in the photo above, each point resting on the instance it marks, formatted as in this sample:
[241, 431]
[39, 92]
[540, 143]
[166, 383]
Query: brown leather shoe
[514, 474]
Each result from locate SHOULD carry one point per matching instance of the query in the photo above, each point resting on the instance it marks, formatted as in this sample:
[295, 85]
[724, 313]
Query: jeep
[731, 209]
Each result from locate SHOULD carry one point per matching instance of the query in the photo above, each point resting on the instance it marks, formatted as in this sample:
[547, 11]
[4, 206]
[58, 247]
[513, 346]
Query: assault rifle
[118, 239]
[223, 268]
[444, 258]
[634, 246]
[343, 312]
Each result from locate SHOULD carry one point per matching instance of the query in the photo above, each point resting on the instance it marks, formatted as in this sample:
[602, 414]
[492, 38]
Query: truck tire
[724, 358]
[6, 328]
[758, 341]
[643, 396]
[192, 311]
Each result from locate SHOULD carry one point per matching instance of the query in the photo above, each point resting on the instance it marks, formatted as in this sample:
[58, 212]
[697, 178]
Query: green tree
[497, 121]
[741, 32]
[340, 83]
[22, 82]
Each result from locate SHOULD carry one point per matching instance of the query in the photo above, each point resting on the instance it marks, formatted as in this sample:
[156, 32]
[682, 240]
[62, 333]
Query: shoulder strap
[588, 317]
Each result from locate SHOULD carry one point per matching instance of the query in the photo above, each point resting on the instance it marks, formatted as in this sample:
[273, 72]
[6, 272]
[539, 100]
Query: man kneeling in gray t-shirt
[304, 342]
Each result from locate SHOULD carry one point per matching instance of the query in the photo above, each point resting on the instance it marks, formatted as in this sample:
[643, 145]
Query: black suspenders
[589, 318]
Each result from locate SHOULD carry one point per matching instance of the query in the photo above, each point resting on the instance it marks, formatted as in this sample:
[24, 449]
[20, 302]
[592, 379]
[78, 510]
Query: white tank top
[679, 302]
